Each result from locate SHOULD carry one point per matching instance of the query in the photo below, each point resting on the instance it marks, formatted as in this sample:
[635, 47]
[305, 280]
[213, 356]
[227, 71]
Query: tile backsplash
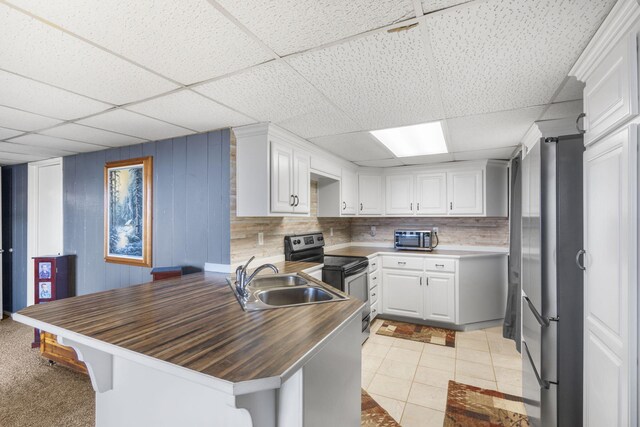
[452, 231]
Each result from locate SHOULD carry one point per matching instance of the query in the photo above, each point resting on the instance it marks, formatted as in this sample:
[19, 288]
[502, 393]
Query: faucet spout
[241, 276]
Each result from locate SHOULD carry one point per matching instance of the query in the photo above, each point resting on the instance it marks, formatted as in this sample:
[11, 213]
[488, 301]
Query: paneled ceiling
[106, 73]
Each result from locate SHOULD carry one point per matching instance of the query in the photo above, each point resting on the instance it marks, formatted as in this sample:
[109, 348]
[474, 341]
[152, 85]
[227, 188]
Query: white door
[610, 281]
[349, 186]
[282, 199]
[399, 195]
[302, 182]
[440, 297]
[402, 293]
[370, 194]
[465, 192]
[431, 194]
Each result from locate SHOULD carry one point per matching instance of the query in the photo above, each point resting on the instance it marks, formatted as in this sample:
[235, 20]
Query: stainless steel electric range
[346, 273]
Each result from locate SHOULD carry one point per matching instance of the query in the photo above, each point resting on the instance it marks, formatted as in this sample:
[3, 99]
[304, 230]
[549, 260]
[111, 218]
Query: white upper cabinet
[431, 194]
[611, 90]
[465, 192]
[399, 198]
[282, 199]
[349, 192]
[370, 194]
[301, 182]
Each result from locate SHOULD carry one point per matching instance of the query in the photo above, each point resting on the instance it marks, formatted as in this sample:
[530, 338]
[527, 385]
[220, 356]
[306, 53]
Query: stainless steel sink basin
[278, 280]
[294, 296]
[283, 290]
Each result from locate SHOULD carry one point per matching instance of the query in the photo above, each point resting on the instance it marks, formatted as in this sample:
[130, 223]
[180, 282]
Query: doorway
[6, 231]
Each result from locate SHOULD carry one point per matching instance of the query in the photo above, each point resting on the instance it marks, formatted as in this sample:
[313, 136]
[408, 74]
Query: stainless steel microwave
[416, 240]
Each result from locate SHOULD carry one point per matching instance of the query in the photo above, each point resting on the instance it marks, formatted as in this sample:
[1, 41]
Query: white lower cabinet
[403, 293]
[439, 297]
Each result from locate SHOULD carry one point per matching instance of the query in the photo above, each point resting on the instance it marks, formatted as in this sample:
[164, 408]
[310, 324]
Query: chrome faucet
[241, 276]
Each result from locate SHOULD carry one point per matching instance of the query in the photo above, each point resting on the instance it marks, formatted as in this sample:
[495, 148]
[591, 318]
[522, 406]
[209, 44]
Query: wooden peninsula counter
[183, 352]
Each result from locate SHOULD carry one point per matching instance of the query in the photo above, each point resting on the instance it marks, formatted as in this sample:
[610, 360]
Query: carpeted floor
[32, 393]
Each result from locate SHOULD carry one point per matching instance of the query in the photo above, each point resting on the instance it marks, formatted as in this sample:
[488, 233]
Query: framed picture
[128, 211]
[44, 290]
[44, 270]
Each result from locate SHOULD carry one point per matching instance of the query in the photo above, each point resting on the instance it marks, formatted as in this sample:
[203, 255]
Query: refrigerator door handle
[542, 383]
[543, 322]
[580, 253]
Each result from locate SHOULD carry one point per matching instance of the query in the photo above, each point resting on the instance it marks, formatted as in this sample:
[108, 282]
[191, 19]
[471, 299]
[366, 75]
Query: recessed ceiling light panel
[415, 140]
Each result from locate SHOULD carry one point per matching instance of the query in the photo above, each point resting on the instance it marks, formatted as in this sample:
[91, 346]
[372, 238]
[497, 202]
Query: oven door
[357, 285]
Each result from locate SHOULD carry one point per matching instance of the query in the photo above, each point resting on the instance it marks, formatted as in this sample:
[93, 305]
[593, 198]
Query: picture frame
[128, 195]
[44, 270]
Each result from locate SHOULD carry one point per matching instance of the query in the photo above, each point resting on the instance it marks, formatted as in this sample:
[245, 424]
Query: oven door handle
[358, 271]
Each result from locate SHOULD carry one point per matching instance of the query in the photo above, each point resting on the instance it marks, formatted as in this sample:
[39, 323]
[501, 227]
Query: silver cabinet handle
[580, 253]
[420, 280]
[418, 206]
[440, 265]
[402, 263]
[450, 206]
[344, 205]
[375, 278]
[373, 294]
[291, 200]
[411, 206]
[297, 201]
[361, 206]
[581, 116]
[427, 281]
[10, 250]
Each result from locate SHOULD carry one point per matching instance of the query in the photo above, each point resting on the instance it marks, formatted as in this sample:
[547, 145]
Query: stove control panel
[305, 241]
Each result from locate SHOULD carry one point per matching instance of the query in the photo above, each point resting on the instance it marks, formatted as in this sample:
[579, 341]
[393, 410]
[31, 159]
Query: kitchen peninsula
[183, 352]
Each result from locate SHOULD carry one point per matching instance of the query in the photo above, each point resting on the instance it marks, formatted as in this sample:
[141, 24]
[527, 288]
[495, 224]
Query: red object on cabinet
[52, 281]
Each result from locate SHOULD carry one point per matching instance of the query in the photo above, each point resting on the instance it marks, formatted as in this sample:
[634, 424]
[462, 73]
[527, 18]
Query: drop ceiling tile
[191, 110]
[326, 120]
[39, 51]
[271, 92]
[499, 54]
[7, 158]
[355, 147]
[384, 163]
[572, 90]
[561, 110]
[187, 40]
[423, 160]
[130, 123]
[18, 148]
[381, 80]
[8, 133]
[21, 120]
[52, 143]
[289, 26]
[92, 135]
[492, 153]
[493, 130]
[30, 95]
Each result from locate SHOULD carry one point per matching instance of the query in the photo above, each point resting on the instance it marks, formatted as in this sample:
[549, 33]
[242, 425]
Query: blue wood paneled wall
[20, 208]
[191, 222]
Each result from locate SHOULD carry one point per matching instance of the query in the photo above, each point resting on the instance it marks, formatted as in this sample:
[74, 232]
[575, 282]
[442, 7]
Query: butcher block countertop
[367, 251]
[195, 322]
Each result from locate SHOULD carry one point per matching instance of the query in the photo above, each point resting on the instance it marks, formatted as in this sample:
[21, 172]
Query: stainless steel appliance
[348, 274]
[417, 240]
[552, 282]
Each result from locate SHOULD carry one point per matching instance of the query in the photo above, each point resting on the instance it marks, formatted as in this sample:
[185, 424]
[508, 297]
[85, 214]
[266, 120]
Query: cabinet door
[610, 284]
[281, 178]
[301, 182]
[465, 192]
[402, 293]
[370, 194]
[440, 297]
[349, 188]
[431, 194]
[611, 90]
[399, 195]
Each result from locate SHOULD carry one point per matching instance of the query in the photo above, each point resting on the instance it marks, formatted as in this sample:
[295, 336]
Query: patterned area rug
[422, 333]
[374, 415]
[471, 406]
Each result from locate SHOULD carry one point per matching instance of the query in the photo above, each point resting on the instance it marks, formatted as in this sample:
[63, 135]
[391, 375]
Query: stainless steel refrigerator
[552, 290]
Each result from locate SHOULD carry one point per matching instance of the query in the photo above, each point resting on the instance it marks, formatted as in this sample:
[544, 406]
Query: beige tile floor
[409, 379]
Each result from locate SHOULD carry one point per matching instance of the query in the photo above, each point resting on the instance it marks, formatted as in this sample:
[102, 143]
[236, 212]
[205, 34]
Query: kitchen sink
[294, 296]
[283, 290]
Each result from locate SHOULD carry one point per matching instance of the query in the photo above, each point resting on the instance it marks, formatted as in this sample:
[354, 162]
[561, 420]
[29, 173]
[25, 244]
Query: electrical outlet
[331, 232]
[373, 231]
[435, 230]
[260, 239]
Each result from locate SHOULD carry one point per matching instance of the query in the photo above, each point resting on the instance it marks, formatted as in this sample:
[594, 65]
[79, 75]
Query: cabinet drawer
[448, 265]
[373, 295]
[373, 264]
[374, 311]
[611, 91]
[408, 263]
[374, 279]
